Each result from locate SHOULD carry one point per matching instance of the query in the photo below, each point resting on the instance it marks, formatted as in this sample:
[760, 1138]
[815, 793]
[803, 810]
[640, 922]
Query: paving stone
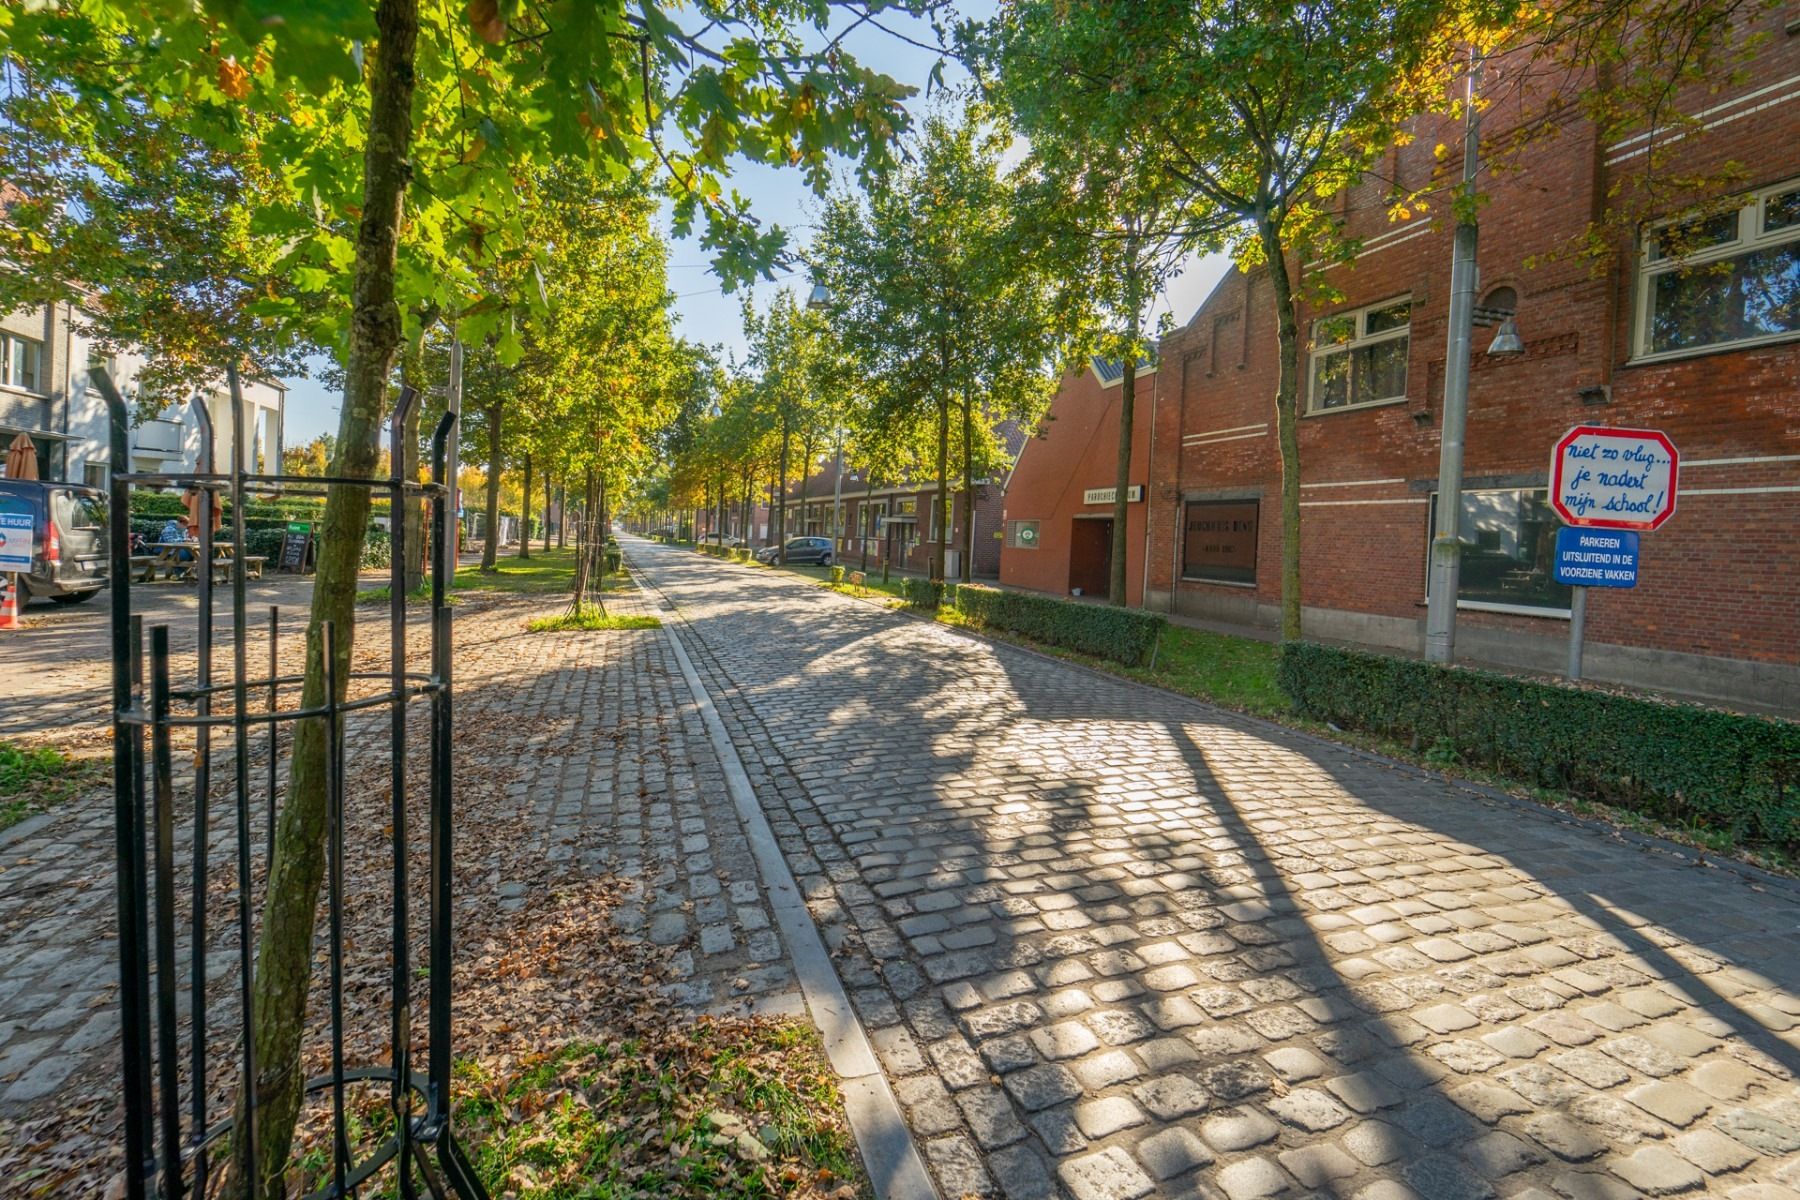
[1590, 1185]
[1676, 1103]
[1235, 1081]
[1100, 1118]
[1591, 1067]
[1308, 1109]
[1067, 1040]
[1103, 1070]
[1388, 1189]
[1318, 1165]
[1162, 1053]
[957, 1164]
[1444, 1178]
[1172, 1152]
[1759, 1131]
[990, 1116]
[1238, 1129]
[1021, 1174]
[1488, 1102]
[1658, 1171]
[1724, 1079]
[1109, 1175]
[1171, 1096]
[1375, 1142]
[1499, 1154]
[1712, 1152]
[1252, 1179]
[1445, 1018]
[1293, 1064]
[1042, 1086]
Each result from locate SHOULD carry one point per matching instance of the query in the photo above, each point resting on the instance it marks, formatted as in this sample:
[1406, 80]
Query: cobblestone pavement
[595, 736]
[1110, 943]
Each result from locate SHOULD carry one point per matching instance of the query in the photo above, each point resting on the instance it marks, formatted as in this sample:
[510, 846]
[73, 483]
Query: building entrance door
[1090, 556]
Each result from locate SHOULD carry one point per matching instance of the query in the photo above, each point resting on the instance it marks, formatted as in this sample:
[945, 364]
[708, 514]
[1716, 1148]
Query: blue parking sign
[1596, 557]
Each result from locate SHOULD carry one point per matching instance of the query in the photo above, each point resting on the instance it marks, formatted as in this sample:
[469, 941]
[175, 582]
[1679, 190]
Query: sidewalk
[583, 769]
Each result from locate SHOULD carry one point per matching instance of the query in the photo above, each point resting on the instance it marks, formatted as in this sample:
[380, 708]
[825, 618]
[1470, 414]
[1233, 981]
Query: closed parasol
[21, 458]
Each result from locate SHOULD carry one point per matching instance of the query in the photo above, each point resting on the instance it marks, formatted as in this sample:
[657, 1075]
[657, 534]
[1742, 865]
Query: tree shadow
[1003, 847]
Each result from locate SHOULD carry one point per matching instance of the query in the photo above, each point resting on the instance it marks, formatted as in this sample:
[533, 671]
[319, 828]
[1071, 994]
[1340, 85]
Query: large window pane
[1331, 380]
[1381, 370]
[1750, 295]
[1508, 546]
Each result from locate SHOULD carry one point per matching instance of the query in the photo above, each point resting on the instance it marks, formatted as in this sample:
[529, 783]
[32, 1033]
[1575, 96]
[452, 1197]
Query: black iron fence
[177, 1004]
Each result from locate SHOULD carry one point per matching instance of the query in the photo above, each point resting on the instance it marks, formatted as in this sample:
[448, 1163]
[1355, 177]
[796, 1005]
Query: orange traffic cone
[9, 601]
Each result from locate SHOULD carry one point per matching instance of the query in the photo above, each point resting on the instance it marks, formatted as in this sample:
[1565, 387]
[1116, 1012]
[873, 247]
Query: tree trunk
[562, 525]
[781, 499]
[941, 517]
[968, 540]
[525, 513]
[1287, 432]
[490, 545]
[584, 540]
[805, 471]
[1127, 414]
[284, 951]
[412, 514]
[547, 512]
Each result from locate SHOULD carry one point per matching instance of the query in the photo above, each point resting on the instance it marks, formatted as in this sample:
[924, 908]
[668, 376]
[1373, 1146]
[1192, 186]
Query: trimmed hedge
[1677, 762]
[1124, 635]
[922, 593]
[837, 574]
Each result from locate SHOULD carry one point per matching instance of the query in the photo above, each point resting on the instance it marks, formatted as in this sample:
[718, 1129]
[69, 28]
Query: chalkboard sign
[296, 546]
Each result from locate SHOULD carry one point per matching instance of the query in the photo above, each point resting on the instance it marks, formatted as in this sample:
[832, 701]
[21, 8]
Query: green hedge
[922, 593]
[1124, 635]
[1677, 762]
[837, 574]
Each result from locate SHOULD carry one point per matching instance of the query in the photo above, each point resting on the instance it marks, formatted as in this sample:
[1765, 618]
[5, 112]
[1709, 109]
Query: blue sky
[779, 197]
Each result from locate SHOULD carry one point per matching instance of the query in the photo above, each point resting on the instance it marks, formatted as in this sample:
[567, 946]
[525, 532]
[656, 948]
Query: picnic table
[181, 560]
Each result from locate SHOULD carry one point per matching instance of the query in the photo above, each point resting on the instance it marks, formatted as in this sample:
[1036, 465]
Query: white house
[44, 392]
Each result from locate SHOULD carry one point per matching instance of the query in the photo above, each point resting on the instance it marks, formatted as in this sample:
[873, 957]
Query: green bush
[378, 550]
[1124, 635]
[837, 574]
[922, 593]
[1677, 762]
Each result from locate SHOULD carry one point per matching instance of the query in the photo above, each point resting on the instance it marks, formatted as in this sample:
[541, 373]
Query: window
[1021, 535]
[1722, 280]
[872, 514]
[1218, 541]
[1360, 357]
[94, 475]
[1508, 546]
[82, 512]
[907, 507]
[20, 358]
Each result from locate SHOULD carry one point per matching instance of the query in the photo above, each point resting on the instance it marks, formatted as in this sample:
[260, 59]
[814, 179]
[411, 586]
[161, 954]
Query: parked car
[800, 550]
[69, 561]
[714, 539]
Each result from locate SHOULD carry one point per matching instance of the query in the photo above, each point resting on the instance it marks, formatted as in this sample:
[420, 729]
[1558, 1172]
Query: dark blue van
[69, 563]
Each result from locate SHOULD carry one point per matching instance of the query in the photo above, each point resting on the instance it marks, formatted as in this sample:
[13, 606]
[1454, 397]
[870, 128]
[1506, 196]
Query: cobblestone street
[1109, 943]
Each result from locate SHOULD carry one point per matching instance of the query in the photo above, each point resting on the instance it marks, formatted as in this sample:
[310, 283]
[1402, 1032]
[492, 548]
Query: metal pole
[1577, 630]
[837, 498]
[1446, 545]
[453, 457]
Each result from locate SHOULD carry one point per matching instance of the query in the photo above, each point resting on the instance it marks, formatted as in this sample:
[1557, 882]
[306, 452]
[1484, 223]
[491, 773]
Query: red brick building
[901, 523]
[1710, 356]
[1058, 509]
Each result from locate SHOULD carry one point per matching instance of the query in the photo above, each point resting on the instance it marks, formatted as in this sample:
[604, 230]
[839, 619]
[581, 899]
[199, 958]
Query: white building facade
[45, 393]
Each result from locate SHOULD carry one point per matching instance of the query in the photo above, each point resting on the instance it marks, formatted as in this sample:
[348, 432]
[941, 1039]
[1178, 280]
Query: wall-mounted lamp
[1507, 343]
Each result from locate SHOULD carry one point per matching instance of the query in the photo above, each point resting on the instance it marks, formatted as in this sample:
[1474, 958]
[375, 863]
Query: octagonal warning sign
[1609, 478]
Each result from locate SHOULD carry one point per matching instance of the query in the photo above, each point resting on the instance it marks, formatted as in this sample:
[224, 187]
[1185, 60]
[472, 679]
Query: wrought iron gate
[177, 1129]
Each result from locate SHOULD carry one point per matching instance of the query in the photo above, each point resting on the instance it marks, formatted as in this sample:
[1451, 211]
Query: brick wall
[1721, 580]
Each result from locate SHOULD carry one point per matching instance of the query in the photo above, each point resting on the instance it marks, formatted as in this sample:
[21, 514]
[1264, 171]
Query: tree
[1258, 112]
[393, 140]
[788, 353]
[936, 307]
[313, 458]
[1112, 214]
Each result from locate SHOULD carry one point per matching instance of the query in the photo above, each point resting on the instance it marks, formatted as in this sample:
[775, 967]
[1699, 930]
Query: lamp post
[1446, 542]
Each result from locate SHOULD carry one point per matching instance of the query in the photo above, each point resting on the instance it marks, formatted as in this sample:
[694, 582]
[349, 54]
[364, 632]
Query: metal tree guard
[175, 1131]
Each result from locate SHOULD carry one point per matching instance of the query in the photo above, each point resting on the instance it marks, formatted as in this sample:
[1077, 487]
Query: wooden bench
[143, 567]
